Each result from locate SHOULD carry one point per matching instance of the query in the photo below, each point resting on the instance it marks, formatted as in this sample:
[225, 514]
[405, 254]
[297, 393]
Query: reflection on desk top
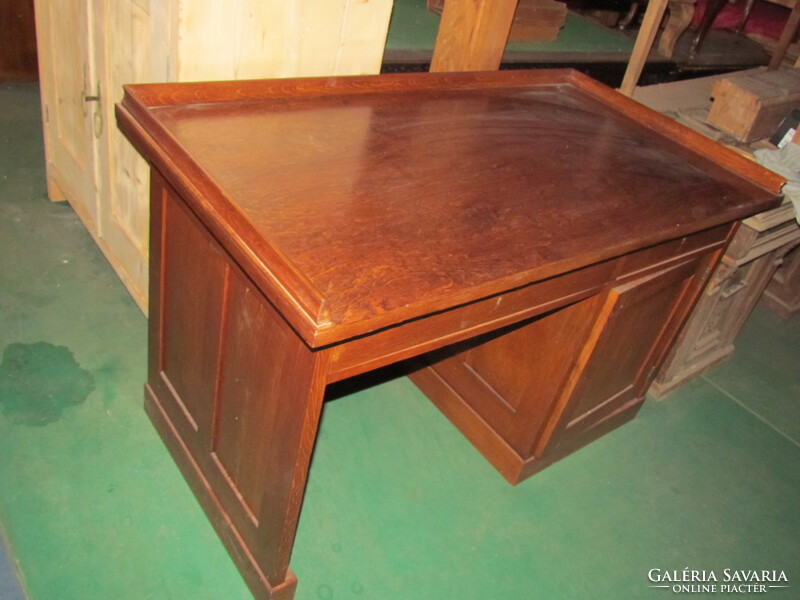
[378, 199]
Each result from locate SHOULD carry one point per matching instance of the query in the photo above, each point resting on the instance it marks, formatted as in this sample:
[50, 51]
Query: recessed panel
[193, 273]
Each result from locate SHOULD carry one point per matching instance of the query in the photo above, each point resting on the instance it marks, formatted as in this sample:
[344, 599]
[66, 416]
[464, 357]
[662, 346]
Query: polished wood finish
[17, 41]
[309, 230]
[528, 395]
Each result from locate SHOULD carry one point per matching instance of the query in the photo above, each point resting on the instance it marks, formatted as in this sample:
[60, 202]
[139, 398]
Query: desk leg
[234, 392]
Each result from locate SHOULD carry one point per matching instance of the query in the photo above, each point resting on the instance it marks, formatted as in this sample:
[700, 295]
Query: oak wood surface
[474, 177]
[234, 392]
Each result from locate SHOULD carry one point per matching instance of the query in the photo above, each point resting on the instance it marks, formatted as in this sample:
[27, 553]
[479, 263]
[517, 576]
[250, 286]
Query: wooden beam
[644, 41]
[787, 36]
[472, 35]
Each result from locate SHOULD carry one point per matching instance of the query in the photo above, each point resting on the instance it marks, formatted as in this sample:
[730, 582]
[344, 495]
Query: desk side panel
[234, 391]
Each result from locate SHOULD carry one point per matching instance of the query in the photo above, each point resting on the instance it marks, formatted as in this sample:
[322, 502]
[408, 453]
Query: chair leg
[712, 10]
[746, 15]
[628, 18]
[680, 15]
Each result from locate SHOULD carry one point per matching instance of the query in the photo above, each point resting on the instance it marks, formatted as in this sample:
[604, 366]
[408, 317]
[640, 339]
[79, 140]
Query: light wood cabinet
[782, 295]
[733, 291]
[89, 48]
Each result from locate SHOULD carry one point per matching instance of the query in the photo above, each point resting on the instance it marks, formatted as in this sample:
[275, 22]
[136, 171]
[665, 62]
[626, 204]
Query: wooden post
[644, 41]
[787, 35]
[472, 35]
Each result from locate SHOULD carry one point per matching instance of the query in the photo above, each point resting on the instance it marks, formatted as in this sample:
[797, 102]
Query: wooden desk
[534, 238]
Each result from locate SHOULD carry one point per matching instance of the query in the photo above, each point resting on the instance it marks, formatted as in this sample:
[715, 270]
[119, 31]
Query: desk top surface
[370, 201]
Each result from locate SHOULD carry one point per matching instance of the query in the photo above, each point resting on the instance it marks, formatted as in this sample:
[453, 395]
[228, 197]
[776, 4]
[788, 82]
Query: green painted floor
[399, 505]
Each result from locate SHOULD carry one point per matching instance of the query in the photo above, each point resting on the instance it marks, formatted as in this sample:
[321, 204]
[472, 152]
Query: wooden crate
[750, 105]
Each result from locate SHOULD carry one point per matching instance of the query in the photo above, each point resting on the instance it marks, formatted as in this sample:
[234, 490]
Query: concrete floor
[399, 505]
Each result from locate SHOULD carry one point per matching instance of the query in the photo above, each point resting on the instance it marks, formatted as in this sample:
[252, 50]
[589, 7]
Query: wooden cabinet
[783, 292]
[733, 291]
[90, 48]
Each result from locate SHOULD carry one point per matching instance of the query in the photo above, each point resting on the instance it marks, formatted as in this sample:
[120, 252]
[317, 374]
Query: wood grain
[476, 184]
[644, 42]
[472, 35]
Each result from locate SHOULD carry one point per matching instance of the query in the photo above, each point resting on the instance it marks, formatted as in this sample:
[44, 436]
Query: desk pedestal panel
[533, 393]
[234, 392]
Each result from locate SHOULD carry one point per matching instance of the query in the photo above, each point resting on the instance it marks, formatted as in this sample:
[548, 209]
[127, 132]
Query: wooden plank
[751, 104]
[644, 41]
[472, 35]
[787, 36]
[534, 20]
[275, 38]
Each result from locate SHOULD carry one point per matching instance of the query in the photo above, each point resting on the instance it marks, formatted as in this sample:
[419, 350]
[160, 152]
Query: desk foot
[255, 578]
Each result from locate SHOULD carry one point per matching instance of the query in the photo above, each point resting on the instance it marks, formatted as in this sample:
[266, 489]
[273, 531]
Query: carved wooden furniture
[681, 13]
[782, 295]
[305, 231]
[736, 286]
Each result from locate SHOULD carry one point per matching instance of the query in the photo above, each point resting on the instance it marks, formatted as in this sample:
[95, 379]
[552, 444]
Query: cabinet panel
[125, 54]
[635, 317]
[189, 352]
[280, 39]
[530, 394]
[513, 378]
[66, 76]
[233, 390]
[91, 48]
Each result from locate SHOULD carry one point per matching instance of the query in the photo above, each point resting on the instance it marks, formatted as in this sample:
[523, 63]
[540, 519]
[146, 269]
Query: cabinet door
[638, 319]
[125, 53]
[69, 110]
